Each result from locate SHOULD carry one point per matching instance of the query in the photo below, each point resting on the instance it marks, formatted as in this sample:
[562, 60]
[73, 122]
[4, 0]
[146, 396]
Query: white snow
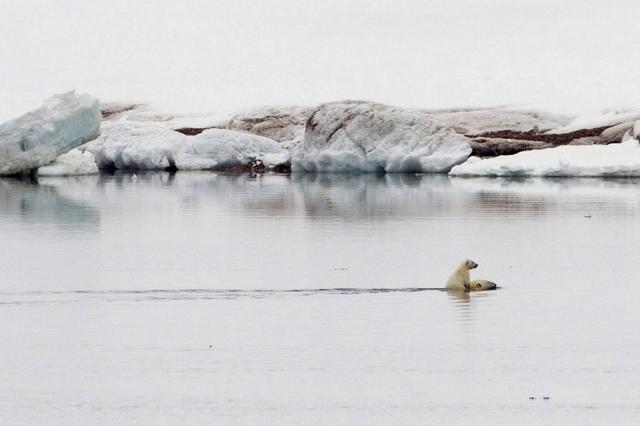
[480, 120]
[594, 120]
[145, 146]
[73, 163]
[218, 148]
[134, 146]
[64, 122]
[621, 159]
[369, 137]
[144, 113]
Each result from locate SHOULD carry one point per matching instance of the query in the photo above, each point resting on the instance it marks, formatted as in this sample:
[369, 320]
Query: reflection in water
[35, 202]
[211, 287]
[335, 196]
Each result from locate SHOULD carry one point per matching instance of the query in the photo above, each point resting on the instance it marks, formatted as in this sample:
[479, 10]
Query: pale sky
[204, 55]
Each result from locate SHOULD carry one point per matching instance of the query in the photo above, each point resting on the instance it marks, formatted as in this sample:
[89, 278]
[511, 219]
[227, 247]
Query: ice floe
[614, 160]
[144, 146]
[216, 149]
[73, 163]
[64, 122]
[368, 137]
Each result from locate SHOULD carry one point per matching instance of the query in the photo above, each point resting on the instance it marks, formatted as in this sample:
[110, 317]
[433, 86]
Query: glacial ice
[64, 122]
[144, 146]
[368, 137]
[614, 160]
[73, 163]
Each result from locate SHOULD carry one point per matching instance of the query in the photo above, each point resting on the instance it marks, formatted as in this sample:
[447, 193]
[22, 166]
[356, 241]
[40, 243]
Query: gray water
[229, 299]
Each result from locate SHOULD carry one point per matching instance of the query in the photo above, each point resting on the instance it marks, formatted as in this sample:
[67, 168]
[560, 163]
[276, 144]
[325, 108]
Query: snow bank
[64, 122]
[478, 121]
[219, 149]
[73, 163]
[621, 159]
[125, 145]
[142, 146]
[367, 137]
[592, 121]
[144, 113]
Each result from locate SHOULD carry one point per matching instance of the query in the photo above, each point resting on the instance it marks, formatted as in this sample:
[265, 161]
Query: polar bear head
[470, 264]
[480, 285]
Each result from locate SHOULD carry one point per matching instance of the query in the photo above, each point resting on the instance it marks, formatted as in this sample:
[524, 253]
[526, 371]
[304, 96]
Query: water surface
[205, 298]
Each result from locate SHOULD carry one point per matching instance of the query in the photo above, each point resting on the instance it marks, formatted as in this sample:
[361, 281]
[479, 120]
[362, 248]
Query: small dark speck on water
[211, 346]
[532, 398]
[546, 398]
[587, 216]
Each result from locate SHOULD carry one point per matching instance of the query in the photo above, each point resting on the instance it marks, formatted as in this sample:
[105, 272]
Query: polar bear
[461, 280]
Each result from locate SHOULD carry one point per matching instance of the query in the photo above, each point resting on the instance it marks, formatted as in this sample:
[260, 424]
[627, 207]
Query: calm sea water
[228, 299]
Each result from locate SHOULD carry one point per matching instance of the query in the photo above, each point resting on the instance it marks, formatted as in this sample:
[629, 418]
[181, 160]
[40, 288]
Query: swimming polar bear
[461, 280]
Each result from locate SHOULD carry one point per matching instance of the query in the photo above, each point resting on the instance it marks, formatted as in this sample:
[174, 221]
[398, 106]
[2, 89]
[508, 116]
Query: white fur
[460, 279]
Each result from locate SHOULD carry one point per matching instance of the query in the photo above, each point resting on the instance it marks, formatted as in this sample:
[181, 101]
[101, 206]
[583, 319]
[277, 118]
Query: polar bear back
[460, 279]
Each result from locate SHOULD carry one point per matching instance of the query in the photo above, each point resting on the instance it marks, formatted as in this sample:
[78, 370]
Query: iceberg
[354, 136]
[64, 122]
[614, 160]
[73, 163]
[145, 146]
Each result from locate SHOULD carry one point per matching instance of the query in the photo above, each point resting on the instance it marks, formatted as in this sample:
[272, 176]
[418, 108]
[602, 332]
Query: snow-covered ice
[134, 146]
[620, 159]
[602, 119]
[368, 137]
[218, 149]
[73, 163]
[64, 122]
[146, 146]
[145, 113]
[480, 120]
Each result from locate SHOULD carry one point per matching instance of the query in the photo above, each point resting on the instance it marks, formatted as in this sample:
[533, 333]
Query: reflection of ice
[44, 203]
[532, 196]
[391, 196]
[349, 197]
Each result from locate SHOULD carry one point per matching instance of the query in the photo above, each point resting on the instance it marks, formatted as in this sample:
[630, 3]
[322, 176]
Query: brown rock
[492, 147]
